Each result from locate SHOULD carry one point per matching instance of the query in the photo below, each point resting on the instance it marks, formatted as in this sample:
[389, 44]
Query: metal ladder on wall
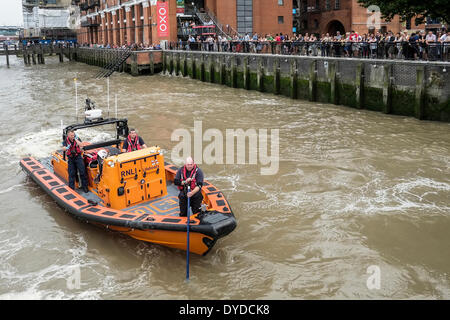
[206, 17]
[114, 65]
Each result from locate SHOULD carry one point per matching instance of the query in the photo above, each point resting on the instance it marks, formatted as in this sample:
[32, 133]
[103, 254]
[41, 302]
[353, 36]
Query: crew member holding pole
[189, 175]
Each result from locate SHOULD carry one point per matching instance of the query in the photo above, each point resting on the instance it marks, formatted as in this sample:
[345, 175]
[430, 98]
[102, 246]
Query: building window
[316, 24]
[281, 2]
[337, 4]
[327, 4]
[280, 19]
[244, 16]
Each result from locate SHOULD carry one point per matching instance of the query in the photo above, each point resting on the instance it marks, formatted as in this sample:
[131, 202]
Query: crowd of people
[403, 45]
[129, 46]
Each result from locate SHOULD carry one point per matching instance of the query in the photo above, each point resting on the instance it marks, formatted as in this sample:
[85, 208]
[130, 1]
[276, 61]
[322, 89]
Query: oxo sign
[163, 19]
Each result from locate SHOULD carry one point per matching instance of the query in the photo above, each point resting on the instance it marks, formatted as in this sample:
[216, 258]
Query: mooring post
[33, 54]
[222, 70]
[152, 63]
[42, 55]
[193, 67]
[294, 79]
[312, 80]
[246, 73]
[134, 65]
[61, 55]
[212, 69]
[260, 75]
[233, 71]
[333, 82]
[359, 85]
[184, 69]
[24, 52]
[276, 75]
[7, 54]
[202, 67]
[419, 100]
[387, 88]
[171, 64]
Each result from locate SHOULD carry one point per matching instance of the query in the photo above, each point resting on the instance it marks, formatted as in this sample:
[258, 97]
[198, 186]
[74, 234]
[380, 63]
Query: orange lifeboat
[132, 193]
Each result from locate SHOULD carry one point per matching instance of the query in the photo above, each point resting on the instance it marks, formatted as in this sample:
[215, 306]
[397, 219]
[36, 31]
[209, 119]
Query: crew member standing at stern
[189, 175]
[75, 161]
[133, 142]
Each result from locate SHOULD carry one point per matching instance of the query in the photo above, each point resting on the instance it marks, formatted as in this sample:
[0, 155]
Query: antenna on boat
[115, 102]
[107, 89]
[76, 98]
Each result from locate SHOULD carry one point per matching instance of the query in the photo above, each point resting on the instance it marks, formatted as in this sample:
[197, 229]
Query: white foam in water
[400, 197]
[41, 144]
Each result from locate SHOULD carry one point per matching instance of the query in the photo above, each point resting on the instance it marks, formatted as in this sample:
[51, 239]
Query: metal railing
[371, 50]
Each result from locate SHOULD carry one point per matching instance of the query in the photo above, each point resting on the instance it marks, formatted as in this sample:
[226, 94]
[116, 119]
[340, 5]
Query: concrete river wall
[418, 89]
[410, 88]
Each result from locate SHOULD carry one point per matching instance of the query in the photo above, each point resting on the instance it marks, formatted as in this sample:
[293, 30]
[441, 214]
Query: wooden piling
[419, 97]
[293, 85]
[211, 69]
[260, 75]
[233, 72]
[61, 55]
[313, 81]
[246, 73]
[387, 88]
[222, 70]
[7, 55]
[134, 65]
[276, 75]
[359, 85]
[152, 63]
[333, 82]
[193, 67]
[202, 68]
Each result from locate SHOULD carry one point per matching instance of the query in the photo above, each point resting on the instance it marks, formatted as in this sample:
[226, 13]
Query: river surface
[359, 207]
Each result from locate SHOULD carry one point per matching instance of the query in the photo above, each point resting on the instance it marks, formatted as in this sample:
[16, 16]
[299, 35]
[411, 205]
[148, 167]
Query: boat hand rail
[102, 144]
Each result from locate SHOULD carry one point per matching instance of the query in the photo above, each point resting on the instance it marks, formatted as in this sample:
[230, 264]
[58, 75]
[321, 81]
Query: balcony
[85, 24]
[313, 10]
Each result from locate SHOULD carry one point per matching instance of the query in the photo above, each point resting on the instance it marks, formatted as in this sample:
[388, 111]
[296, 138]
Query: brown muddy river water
[358, 208]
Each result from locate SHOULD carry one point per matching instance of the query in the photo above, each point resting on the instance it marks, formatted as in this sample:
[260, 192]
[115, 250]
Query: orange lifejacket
[133, 145]
[192, 176]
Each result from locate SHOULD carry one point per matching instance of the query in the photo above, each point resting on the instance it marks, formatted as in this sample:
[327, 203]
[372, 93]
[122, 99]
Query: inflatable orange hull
[155, 220]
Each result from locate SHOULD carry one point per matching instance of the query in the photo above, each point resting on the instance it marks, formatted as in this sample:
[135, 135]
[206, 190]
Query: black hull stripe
[214, 230]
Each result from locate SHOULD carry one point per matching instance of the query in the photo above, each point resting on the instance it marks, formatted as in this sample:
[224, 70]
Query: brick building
[254, 16]
[118, 22]
[322, 16]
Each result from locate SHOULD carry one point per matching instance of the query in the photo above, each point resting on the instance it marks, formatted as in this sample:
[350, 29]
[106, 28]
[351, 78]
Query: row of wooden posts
[35, 54]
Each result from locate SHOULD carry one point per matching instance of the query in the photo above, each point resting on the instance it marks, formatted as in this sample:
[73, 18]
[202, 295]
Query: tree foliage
[407, 9]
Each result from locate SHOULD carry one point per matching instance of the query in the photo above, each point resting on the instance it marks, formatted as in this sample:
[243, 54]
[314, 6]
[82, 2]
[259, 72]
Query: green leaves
[408, 9]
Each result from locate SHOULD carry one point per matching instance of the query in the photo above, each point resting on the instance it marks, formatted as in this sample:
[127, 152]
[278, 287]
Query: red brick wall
[265, 17]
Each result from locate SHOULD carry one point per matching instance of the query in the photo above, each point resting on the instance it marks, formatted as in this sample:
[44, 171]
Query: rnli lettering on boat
[127, 173]
[151, 168]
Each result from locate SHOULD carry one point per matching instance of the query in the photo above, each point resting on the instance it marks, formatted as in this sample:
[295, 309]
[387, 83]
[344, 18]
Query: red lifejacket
[72, 146]
[192, 176]
[133, 144]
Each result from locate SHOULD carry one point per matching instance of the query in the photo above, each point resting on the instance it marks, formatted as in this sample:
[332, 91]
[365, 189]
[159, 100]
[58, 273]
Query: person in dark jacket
[133, 142]
[189, 175]
[75, 161]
